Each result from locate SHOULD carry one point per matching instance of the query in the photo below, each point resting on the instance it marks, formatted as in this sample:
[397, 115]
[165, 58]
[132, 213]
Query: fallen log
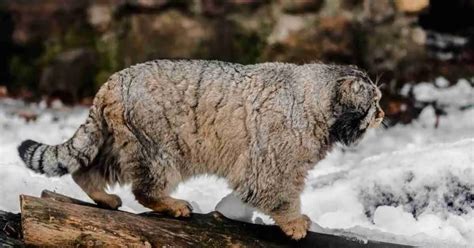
[57, 220]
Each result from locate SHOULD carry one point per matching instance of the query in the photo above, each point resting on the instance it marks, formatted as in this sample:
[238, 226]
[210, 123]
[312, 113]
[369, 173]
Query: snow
[411, 184]
[458, 95]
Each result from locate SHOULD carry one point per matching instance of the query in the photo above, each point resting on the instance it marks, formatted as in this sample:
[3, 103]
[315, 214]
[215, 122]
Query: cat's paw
[297, 228]
[109, 201]
[180, 208]
[167, 205]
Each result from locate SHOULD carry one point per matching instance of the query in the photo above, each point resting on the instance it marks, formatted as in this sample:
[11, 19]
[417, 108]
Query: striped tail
[58, 160]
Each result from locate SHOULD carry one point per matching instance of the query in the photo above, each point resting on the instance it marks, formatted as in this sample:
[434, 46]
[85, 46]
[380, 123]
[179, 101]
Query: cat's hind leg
[94, 184]
[152, 185]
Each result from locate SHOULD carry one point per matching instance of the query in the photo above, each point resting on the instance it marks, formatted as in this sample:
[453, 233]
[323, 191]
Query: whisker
[378, 80]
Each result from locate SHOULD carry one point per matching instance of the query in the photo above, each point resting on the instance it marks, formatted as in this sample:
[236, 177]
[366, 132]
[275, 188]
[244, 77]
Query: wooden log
[57, 220]
[62, 198]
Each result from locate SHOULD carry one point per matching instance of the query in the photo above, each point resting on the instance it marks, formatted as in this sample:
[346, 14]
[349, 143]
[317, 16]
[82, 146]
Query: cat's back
[179, 95]
[187, 82]
[187, 72]
[173, 84]
[180, 72]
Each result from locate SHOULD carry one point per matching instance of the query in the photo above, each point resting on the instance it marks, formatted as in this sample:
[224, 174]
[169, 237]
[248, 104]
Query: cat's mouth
[378, 118]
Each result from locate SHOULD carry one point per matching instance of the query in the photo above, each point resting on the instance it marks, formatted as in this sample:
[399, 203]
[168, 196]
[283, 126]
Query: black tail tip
[24, 146]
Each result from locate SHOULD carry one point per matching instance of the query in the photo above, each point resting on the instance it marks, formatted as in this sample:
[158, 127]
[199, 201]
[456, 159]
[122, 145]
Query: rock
[3, 91]
[169, 34]
[419, 36]
[379, 11]
[400, 110]
[100, 16]
[351, 5]
[27, 115]
[331, 39]
[219, 7]
[150, 4]
[411, 6]
[241, 36]
[396, 50]
[38, 20]
[212, 7]
[285, 26]
[301, 6]
[69, 74]
[259, 21]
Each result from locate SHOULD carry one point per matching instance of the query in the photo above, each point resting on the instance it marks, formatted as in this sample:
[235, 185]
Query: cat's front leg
[296, 228]
[281, 202]
[289, 218]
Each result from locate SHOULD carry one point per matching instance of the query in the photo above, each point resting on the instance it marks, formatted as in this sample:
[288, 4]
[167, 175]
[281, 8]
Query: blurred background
[412, 183]
[65, 49]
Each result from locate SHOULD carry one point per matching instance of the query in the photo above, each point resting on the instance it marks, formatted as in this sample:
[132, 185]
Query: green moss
[22, 72]
[107, 50]
[110, 61]
[249, 47]
[73, 38]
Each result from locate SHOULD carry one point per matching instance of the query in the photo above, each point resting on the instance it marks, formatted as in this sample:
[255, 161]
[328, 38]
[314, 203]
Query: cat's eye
[356, 86]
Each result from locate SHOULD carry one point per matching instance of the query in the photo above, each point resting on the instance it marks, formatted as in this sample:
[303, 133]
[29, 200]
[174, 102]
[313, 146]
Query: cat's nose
[380, 115]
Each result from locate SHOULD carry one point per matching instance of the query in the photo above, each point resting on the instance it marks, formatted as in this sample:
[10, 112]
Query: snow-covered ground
[412, 184]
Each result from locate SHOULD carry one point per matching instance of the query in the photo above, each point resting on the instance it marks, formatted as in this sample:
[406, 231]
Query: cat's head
[355, 106]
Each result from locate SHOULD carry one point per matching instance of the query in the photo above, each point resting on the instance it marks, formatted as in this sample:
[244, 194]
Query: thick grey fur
[262, 127]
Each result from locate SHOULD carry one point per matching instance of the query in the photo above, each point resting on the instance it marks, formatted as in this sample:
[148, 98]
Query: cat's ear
[353, 83]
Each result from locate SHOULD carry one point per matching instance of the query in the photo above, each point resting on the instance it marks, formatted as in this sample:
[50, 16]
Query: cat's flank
[261, 127]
